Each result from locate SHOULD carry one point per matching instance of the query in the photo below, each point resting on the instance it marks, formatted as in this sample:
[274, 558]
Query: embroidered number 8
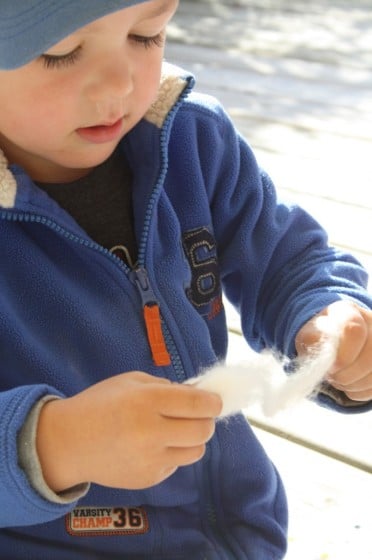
[200, 248]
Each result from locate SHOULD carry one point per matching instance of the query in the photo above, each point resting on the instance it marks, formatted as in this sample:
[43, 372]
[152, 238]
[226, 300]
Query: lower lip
[101, 134]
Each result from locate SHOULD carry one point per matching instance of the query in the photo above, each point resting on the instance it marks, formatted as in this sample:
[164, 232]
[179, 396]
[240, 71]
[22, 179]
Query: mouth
[101, 133]
[108, 123]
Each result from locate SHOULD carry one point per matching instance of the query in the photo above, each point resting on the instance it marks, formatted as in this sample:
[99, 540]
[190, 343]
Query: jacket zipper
[151, 314]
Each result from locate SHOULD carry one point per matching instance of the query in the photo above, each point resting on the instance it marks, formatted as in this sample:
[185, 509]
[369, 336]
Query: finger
[360, 396]
[351, 353]
[354, 357]
[182, 457]
[361, 385]
[166, 473]
[153, 480]
[307, 338]
[356, 374]
[182, 433]
[328, 323]
[347, 323]
[145, 378]
[183, 401]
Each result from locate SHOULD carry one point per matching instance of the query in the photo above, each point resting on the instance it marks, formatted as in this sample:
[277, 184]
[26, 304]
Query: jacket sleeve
[277, 268]
[20, 503]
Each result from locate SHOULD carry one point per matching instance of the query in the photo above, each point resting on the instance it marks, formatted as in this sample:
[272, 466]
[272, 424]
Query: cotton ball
[263, 380]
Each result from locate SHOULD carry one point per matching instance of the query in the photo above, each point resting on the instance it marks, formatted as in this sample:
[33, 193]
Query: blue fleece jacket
[71, 314]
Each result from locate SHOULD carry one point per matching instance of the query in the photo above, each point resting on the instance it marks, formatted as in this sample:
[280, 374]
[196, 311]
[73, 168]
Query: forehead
[147, 11]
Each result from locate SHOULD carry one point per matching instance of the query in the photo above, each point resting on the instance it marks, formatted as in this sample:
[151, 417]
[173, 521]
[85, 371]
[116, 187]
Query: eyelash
[54, 61]
[148, 42]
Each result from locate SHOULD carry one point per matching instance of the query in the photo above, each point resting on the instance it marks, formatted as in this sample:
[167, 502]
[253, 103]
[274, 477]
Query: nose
[113, 82]
[110, 108]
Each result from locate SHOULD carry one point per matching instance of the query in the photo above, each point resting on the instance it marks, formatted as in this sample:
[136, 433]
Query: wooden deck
[296, 78]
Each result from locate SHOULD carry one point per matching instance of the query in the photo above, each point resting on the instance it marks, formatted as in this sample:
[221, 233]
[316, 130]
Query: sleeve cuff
[340, 399]
[29, 460]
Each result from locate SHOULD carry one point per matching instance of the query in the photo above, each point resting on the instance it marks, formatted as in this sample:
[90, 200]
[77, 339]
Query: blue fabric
[29, 28]
[206, 219]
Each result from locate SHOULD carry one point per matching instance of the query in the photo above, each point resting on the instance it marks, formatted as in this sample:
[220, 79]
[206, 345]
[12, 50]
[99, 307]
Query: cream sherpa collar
[8, 184]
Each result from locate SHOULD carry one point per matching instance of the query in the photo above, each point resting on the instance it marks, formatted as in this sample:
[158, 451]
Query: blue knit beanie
[30, 27]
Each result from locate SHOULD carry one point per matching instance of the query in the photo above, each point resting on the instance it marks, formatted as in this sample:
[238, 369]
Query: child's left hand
[352, 371]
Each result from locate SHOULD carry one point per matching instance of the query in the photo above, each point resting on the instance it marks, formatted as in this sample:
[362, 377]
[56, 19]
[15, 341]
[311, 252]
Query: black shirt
[101, 203]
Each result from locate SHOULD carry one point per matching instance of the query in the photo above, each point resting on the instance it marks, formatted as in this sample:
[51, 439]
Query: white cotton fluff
[262, 379]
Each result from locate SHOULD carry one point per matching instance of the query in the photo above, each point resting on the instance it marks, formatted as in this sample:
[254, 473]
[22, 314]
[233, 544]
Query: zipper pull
[151, 313]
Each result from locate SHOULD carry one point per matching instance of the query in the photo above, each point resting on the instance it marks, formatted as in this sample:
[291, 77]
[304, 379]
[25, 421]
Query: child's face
[65, 112]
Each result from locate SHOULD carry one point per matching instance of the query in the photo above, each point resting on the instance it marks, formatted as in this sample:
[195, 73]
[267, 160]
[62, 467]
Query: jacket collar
[8, 184]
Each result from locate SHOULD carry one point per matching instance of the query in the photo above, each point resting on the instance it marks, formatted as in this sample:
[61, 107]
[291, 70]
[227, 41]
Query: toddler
[128, 204]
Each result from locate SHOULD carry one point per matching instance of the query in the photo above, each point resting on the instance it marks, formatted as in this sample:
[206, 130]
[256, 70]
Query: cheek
[53, 104]
[148, 80]
[43, 112]
[19, 121]
[25, 127]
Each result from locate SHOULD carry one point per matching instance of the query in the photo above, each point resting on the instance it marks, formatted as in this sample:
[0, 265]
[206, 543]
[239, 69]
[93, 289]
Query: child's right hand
[129, 431]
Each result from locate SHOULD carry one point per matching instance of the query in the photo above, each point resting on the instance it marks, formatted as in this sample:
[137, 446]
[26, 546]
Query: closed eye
[148, 42]
[61, 61]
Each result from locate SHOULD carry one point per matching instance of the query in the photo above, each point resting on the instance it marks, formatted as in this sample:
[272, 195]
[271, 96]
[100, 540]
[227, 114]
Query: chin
[92, 158]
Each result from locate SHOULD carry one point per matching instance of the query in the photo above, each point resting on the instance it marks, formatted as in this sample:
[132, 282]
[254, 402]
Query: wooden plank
[329, 503]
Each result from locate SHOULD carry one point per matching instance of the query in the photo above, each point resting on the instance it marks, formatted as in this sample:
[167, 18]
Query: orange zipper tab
[155, 335]
[152, 317]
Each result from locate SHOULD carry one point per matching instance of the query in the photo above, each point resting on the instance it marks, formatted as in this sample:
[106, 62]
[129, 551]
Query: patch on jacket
[205, 288]
[106, 521]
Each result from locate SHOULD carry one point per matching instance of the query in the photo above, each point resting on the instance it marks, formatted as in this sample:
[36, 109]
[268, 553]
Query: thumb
[341, 321]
